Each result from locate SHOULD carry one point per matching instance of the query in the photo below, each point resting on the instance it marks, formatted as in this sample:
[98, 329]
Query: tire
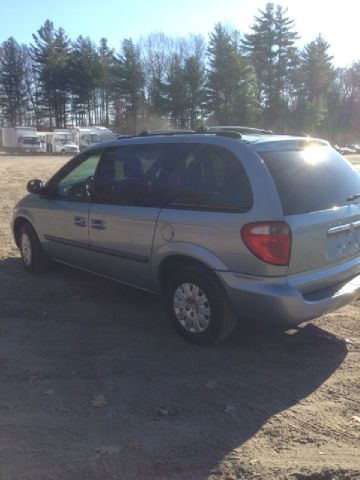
[198, 306]
[62, 153]
[32, 255]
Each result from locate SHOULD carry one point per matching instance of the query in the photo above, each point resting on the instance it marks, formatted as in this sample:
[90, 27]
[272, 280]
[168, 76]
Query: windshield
[311, 179]
[31, 140]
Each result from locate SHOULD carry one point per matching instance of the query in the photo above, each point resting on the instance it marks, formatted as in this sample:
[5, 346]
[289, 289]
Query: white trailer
[60, 142]
[20, 140]
[86, 136]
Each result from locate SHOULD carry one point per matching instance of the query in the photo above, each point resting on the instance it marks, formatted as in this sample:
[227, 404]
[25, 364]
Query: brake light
[269, 241]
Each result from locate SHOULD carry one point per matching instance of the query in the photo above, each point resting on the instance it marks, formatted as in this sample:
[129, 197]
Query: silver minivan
[225, 225]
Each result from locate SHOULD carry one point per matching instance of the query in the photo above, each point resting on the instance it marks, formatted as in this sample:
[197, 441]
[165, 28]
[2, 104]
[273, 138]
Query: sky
[338, 22]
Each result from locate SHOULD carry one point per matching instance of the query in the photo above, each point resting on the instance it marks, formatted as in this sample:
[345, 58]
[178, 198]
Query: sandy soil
[95, 384]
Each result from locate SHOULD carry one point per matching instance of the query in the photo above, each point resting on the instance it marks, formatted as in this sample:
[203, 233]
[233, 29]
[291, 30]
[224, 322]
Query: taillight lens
[269, 241]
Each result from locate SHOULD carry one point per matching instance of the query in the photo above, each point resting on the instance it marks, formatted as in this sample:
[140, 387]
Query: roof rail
[240, 129]
[221, 132]
[294, 134]
[146, 133]
[297, 134]
[169, 132]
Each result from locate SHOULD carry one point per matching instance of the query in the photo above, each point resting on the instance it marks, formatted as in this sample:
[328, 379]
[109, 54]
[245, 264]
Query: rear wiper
[353, 197]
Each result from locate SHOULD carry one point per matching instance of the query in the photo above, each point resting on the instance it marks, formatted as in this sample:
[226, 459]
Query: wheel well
[169, 265]
[19, 222]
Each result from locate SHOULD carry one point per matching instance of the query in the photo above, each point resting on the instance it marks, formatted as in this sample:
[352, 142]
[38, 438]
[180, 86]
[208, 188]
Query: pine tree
[33, 88]
[107, 66]
[195, 80]
[271, 49]
[84, 70]
[50, 52]
[130, 84]
[231, 86]
[13, 92]
[176, 93]
[316, 75]
[317, 70]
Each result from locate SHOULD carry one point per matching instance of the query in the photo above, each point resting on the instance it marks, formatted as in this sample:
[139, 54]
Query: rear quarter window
[209, 177]
[311, 179]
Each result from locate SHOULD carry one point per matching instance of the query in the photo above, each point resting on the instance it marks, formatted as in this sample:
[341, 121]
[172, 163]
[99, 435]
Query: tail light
[269, 241]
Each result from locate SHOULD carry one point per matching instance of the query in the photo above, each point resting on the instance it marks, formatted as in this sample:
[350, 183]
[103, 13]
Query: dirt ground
[95, 384]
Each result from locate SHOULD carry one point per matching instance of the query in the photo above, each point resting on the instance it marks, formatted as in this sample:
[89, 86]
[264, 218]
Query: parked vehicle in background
[344, 150]
[222, 224]
[347, 151]
[355, 147]
[20, 140]
[42, 138]
[86, 136]
[60, 142]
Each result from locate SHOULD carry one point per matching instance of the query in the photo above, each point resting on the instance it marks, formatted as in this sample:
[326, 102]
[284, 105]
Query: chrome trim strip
[349, 227]
[105, 251]
[64, 241]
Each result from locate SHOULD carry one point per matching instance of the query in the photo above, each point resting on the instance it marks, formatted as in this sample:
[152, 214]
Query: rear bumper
[276, 300]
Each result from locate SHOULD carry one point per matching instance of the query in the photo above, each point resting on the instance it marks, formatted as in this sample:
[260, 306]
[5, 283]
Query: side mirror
[35, 186]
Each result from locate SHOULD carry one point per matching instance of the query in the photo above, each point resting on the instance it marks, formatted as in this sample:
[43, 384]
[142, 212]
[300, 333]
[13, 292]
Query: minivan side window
[209, 177]
[127, 174]
[74, 181]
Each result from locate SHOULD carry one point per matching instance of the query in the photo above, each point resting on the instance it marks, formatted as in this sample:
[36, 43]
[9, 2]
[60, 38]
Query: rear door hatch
[317, 188]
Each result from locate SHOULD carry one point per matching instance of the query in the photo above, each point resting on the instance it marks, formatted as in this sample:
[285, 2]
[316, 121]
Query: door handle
[80, 221]
[98, 224]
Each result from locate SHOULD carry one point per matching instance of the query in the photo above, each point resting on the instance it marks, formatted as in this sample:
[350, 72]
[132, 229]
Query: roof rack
[149, 133]
[221, 130]
[218, 131]
[169, 132]
[294, 134]
[240, 129]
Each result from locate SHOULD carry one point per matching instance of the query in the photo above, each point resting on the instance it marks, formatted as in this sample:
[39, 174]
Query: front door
[63, 215]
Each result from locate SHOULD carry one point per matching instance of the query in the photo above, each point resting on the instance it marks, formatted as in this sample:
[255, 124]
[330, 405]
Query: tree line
[259, 79]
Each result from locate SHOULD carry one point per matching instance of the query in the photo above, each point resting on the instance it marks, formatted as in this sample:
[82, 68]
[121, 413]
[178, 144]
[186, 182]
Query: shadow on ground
[168, 409]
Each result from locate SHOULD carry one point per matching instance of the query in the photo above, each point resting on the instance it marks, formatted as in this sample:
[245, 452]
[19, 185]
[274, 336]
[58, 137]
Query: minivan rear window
[311, 179]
